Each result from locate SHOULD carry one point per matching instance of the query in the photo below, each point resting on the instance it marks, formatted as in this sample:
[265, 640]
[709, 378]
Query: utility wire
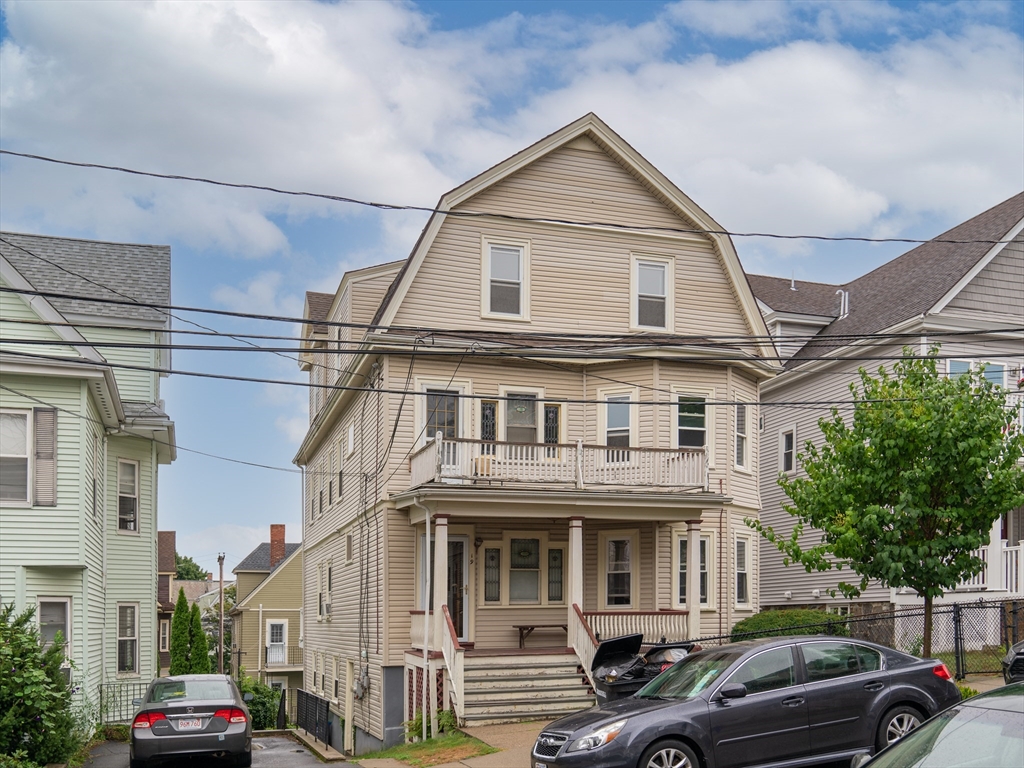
[477, 214]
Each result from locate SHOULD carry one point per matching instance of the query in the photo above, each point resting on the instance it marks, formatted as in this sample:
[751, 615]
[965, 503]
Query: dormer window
[505, 287]
[651, 305]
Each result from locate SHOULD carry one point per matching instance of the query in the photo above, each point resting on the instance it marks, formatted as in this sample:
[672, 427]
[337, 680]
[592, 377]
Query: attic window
[652, 281]
[505, 286]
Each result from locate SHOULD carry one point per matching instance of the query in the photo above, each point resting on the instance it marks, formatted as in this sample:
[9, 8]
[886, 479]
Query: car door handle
[874, 686]
[793, 701]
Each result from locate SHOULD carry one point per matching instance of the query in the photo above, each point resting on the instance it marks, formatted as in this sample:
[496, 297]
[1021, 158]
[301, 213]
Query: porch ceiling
[482, 502]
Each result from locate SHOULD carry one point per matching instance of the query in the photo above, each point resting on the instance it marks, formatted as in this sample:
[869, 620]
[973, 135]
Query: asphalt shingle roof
[807, 299]
[142, 272]
[259, 558]
[319, 309]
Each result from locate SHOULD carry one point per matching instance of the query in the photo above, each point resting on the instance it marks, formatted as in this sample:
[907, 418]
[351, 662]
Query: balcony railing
[565, 464]
[283, 656]
[1008, 573]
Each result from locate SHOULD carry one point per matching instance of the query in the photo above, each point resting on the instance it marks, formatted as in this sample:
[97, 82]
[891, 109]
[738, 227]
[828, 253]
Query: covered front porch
[535, 579]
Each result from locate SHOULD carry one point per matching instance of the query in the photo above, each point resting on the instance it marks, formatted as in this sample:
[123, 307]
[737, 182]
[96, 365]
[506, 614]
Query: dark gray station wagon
[775, 702]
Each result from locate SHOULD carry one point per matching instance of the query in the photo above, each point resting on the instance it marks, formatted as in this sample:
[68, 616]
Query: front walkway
[515, 740]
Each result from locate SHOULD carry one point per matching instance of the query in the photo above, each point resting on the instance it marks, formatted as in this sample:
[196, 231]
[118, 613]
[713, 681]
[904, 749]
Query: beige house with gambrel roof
[964, 290]
[545, 422]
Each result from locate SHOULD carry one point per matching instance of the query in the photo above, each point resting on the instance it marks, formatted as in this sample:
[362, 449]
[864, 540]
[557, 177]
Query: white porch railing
[1013, 576]
[454, 659]
[1002, 569]
[980, 579]
[581, 639]
[573, 465]
[653, 625]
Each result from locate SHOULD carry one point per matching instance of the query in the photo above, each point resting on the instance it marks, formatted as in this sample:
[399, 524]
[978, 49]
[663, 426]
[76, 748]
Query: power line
[475, 214]
[461, 395]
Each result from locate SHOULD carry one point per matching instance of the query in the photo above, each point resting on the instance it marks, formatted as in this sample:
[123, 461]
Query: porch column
[693, 578]
[440, 577]
[995, 557]
[575, 564]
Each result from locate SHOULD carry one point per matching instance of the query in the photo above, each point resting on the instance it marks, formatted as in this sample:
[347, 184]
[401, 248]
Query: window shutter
[45, 443]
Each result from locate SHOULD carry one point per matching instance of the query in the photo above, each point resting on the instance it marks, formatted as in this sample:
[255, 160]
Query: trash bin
[620, 670]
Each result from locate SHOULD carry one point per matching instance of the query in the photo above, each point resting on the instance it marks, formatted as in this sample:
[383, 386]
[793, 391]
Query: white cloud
[760, 20]
[262, 294]
[236, 541]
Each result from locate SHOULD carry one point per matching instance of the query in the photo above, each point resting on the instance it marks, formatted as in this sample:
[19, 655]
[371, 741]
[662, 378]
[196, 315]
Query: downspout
[259, 647]
[721, 533]
[103, 642]
[428, 590]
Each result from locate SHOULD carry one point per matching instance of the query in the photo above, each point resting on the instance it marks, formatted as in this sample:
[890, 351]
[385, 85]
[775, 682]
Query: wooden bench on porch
[525, 630]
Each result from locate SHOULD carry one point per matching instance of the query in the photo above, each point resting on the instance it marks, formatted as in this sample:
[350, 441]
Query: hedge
[795, 621]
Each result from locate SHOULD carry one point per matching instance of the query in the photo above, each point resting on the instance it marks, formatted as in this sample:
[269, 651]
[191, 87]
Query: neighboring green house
[81, 440]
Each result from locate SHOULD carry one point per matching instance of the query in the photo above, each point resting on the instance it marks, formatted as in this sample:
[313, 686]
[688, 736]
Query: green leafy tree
[181, 632]
[908, 490]
[36, 717]
[199, 652]
[188, 569]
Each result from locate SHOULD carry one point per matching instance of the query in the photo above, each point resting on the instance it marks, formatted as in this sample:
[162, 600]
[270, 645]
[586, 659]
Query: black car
[620, 670]
[986, 731]
[777, 701]
[1013, 664]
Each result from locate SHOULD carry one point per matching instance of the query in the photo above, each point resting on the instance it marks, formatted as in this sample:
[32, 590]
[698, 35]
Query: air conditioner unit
[483, 466]
[327, 609]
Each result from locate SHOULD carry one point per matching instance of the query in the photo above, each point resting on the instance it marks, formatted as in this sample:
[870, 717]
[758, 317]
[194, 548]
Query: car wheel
[897, 723]
[669, 754]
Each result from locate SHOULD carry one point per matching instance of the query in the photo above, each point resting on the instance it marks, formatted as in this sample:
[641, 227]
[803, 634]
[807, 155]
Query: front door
[458, 584]
[275, 642]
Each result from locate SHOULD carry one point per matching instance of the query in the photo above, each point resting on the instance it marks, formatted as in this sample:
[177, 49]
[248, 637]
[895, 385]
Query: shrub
[966, 692]
[797, 621]
[37, 723]
[264, 704]
[180, 630]
[446, 723]
[199, 651]
[18, 760]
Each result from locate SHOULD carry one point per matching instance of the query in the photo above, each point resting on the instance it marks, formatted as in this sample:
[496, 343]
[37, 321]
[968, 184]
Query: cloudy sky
[876, 119]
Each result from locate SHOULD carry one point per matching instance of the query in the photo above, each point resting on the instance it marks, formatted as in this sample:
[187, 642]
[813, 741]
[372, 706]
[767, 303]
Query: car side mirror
[136, 702]
[733, 691]
[859, 760]
[247, 697]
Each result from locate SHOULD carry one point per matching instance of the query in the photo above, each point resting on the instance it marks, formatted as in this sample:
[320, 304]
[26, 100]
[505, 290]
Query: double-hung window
[524, 571]
[54, 620]
[521, 418]
[787, 451]
[742, 570]
[651, 294]
[127, 495]
[165, 635]
[442, 414]
[506, 288]
[128, 639]
[14, 447]
[693, 428]
[534, 573]
[618, 560]
[741, 436]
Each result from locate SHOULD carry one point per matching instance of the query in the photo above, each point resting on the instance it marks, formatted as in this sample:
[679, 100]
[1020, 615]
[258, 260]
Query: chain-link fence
[971, 638]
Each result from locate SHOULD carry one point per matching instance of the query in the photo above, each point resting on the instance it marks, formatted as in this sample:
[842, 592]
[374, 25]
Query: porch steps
[508, 689]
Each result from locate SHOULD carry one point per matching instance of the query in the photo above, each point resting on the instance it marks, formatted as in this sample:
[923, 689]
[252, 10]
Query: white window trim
[30, 464]
[350, 547]
[162, 645]
[679, 534]
[505, 391]
[350, 448]
[485, 278]
[709, 416]
[751, 417]
[138, 640]
[466, 410]
[319, 590]
[634, 413]
[67, 613]
[975, 363]
[749, 571]
[505, 545]
[634, 292]
[782, 450]
[138, 498]
[602, 568]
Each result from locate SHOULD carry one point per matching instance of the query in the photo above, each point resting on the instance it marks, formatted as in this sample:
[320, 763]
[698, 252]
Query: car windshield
[690, 676]
[961, 737]
[176, 690]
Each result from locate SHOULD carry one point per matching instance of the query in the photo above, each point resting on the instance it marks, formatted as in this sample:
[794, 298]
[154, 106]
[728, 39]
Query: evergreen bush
[794, 621]
[199, 650]
[264, 704]
[181, 630]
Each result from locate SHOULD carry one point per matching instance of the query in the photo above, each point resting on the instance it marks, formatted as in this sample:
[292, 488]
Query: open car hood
[616, 648]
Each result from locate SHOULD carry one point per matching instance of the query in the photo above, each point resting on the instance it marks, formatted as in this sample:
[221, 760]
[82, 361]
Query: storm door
[458, 583]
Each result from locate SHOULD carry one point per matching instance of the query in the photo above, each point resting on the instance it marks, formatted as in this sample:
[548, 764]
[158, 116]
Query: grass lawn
[446, 749]
[979, 661]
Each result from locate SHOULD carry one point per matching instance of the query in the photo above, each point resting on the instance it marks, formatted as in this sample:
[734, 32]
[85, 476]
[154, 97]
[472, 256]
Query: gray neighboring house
[975, 289]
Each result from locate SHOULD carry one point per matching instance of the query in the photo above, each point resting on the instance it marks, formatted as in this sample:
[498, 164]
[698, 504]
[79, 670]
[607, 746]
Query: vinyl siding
[999, 287]
[139, 386]
[281, 597]
[12, 309]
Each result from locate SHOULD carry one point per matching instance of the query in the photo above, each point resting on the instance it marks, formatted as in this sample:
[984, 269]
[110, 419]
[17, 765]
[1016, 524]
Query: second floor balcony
[563, 465]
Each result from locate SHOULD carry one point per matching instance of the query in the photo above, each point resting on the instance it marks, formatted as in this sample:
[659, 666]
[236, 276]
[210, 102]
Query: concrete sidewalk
[515, 740]
[983, 683]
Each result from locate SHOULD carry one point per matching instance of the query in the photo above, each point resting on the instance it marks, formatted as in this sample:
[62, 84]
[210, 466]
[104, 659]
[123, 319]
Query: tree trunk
[926, 648]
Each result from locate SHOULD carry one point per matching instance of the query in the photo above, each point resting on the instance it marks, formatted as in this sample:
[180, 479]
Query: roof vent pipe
[844, 303]
[792, 281]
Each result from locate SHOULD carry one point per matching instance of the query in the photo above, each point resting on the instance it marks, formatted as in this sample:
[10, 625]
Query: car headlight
[598, 738]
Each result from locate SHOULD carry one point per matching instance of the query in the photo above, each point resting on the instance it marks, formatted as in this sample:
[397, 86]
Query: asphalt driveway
[269, 752]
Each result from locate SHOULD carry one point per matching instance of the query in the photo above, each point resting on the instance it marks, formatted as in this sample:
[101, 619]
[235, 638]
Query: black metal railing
[283, 656]
[312, 714]
[115, 700]
[971, 638]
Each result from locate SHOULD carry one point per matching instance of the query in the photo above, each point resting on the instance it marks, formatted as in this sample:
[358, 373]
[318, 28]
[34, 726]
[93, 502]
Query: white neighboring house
[973, 289]
[81, 444]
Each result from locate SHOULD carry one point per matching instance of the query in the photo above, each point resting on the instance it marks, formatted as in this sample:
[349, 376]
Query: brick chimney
[276, 545]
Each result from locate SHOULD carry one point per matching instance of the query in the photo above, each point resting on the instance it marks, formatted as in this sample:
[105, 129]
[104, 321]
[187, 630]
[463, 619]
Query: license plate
[190, 725]
[540, 765]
